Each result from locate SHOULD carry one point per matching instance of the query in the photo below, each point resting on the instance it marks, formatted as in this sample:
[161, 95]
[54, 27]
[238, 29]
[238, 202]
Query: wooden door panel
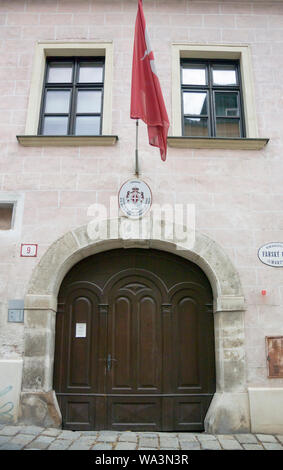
[78, 412]
[135, 413]
[79, 373]
[148, 346]
[120, 345]
[186, 341]
[190, 412]
[78, 370]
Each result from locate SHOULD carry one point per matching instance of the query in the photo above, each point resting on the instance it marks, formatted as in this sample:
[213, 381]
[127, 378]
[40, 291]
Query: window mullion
[73, 100]
[212, 117]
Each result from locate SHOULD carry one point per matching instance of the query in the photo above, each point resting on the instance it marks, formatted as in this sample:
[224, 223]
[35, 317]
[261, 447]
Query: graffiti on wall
[6, 407]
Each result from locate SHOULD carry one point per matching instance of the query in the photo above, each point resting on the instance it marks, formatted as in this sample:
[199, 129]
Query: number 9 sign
[28, 250]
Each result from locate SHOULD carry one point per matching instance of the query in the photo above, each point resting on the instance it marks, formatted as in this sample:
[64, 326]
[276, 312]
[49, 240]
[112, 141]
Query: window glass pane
[55, 125]
[90, 72]
[87, 125]
[6, 216]
[89, 101]
[227, 127]
[196, 127]
[195, 103]
[59, 72]
[227, 104]
[57, 101]
[224, 75]
[194, 74]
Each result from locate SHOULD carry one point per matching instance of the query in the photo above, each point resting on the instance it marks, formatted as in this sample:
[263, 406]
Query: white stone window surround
[68, 49]
[215, 51]
[17, 200]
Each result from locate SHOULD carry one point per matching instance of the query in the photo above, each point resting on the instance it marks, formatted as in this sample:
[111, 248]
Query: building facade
[172, 321]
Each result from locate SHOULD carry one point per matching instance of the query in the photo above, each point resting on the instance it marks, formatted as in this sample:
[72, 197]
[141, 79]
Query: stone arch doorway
[229, 409]
[134, 345]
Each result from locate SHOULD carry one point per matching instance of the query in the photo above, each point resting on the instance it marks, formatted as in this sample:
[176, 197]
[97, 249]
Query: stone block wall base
[266, 410]
[228, 414]
[40, 409]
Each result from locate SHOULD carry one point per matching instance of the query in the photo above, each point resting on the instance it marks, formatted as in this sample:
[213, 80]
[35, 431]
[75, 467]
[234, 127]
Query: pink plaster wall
[238, 194]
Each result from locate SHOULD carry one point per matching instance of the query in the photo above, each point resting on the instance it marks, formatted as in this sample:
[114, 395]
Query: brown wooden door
[134, 343]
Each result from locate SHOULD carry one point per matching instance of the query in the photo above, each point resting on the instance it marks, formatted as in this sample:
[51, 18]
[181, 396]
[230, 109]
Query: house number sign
[272, 254]
[28, 250]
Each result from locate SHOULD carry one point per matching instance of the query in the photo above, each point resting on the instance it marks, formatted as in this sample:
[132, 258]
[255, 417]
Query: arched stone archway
[229, 410]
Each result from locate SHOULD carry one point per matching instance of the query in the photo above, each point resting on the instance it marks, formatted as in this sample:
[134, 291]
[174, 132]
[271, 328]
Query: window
[6, 216]
[223, 113]
[211, 99]
[80, 117]
[72, 97]
[11, 214]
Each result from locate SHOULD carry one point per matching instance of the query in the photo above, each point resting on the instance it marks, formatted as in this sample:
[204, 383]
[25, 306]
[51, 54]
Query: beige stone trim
[66, 140]
[216, 143]
[65, 49]
[214, 51]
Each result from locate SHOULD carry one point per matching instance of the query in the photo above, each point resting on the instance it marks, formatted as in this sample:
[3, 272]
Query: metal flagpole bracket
[137, 151]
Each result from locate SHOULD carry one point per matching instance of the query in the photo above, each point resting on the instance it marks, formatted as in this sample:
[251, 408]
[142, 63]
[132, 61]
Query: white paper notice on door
[80, 330]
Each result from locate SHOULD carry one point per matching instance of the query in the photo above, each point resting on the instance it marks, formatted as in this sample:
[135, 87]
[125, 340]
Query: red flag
[146, 100]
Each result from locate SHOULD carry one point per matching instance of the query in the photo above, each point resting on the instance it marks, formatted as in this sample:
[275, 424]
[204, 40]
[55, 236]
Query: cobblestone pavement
[37, 438]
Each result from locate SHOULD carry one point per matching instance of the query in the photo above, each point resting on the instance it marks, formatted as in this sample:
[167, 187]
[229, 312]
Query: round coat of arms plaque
[135, 198]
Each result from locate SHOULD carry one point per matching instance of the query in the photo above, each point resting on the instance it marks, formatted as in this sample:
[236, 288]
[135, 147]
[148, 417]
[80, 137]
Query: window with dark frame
[212, 99]
[72, 96]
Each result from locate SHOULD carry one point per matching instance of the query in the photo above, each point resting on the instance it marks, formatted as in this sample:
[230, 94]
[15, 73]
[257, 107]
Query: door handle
[109, 362]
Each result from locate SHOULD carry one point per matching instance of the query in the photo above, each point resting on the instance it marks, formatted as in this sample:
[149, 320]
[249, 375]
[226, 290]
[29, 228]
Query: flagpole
[137, 150]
